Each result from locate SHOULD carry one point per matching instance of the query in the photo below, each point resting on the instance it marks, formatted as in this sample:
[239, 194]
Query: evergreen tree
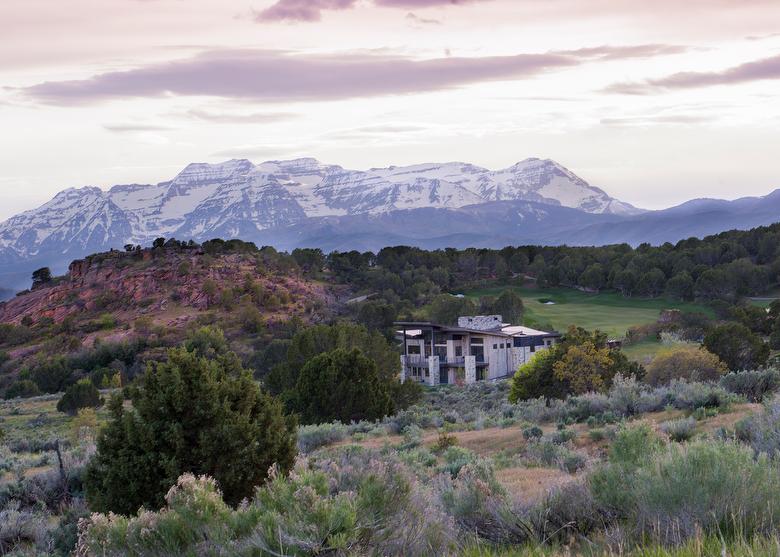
[190, 414]
[737, 346]
[341, 385]
[82, 394]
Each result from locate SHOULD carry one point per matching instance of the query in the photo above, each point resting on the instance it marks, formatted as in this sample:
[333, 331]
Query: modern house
[480, 348]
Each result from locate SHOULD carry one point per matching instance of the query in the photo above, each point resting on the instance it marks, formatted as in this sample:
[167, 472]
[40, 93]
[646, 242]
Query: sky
[656, 102]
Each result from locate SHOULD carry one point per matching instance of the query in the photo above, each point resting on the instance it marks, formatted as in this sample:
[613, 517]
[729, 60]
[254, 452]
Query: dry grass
[531, 484]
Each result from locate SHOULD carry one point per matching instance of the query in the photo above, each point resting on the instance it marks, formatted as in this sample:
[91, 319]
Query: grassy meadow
[607, 311]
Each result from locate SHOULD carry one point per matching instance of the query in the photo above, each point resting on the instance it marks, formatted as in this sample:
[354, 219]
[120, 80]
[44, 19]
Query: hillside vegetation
[249, 400]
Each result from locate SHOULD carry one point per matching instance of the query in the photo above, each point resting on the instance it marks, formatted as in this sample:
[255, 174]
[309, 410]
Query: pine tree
[190, 414]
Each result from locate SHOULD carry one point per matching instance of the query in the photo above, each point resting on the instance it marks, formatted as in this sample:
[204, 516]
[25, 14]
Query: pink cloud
[767, 68]
[278, 77]
[274, 76]
[311, 10]
[302, 10]
[423, 3]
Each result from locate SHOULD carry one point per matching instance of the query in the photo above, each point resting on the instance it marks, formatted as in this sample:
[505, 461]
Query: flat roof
[416, 327]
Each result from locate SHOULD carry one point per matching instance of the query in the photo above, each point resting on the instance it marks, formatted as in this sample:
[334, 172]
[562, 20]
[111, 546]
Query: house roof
[415, 328]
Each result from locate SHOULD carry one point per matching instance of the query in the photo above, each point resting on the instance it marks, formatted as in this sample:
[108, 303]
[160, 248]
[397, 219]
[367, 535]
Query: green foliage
[684, 362]
[753, 385]
[52, 376]
[207, 342]
[737, 346]
[190, 414]
[23, 388]
[353, 505]
[446, 309]
[311, 261]
[341, 385]
[679, 430]
[405, 394]
[376, 315]
[13, 335]
[536, 379]
[582, 361]
[41, 276]
[312, 341]
[713, 487]
[509, 305]
[82, 394]
[532, 432]
[444, 441]
[314, 436]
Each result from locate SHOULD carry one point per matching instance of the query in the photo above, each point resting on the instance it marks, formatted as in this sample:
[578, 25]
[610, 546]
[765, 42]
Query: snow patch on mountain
[237, 198]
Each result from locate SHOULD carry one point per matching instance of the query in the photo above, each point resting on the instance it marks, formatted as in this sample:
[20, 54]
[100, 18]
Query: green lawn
[609, 312]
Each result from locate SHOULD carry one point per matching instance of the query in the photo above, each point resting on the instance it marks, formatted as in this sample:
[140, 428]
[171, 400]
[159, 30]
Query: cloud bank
[274, 76]
[758, 70]
[311, 10]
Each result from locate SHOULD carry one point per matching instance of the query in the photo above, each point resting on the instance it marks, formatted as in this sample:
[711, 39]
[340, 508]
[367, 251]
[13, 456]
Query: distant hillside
[154, 297]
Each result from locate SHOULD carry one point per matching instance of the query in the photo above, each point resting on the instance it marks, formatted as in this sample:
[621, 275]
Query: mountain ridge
[305, 203]
[205, 199]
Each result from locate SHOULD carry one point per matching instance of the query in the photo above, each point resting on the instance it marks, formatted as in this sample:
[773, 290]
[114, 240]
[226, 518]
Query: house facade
[479, 348]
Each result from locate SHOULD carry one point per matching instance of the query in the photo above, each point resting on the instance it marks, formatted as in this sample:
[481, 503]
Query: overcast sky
[656, 102]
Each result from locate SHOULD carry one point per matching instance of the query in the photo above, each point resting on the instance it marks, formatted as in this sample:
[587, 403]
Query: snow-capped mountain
[237, 199]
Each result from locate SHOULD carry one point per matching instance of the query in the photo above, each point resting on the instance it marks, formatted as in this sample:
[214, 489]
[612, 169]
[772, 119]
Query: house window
[413, 349]
[502, 346]
[495, 346]
[533, 348]
[458, 351]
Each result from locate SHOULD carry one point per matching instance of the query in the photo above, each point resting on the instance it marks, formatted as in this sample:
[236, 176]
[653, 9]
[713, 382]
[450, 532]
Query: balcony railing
[416, 360]
[422, 361]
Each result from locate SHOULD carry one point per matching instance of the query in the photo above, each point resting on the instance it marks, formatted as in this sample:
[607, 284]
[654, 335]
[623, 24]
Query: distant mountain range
[303, 202]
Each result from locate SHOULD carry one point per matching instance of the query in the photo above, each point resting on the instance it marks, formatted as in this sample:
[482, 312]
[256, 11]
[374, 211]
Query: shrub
[456, 458]
[563, 436]
[480, 505]
[311, 437]
[533, 432]
[22, 389]
[711, 486]
[355, 504]
[341, 385]
[566, 510]
[679, 430]
[444, 441]
[597, 434]
[753, 385]
[762, 430]
[545, 452]
[412, 437]
[684, 362]
[82, 394]
[190, 414]
[21, 528]
[52, 376]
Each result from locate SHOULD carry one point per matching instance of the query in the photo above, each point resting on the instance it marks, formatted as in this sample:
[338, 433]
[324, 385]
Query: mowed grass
[606, 311]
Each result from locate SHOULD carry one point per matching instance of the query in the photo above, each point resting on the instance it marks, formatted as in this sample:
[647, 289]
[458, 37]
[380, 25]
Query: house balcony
[415, 360]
